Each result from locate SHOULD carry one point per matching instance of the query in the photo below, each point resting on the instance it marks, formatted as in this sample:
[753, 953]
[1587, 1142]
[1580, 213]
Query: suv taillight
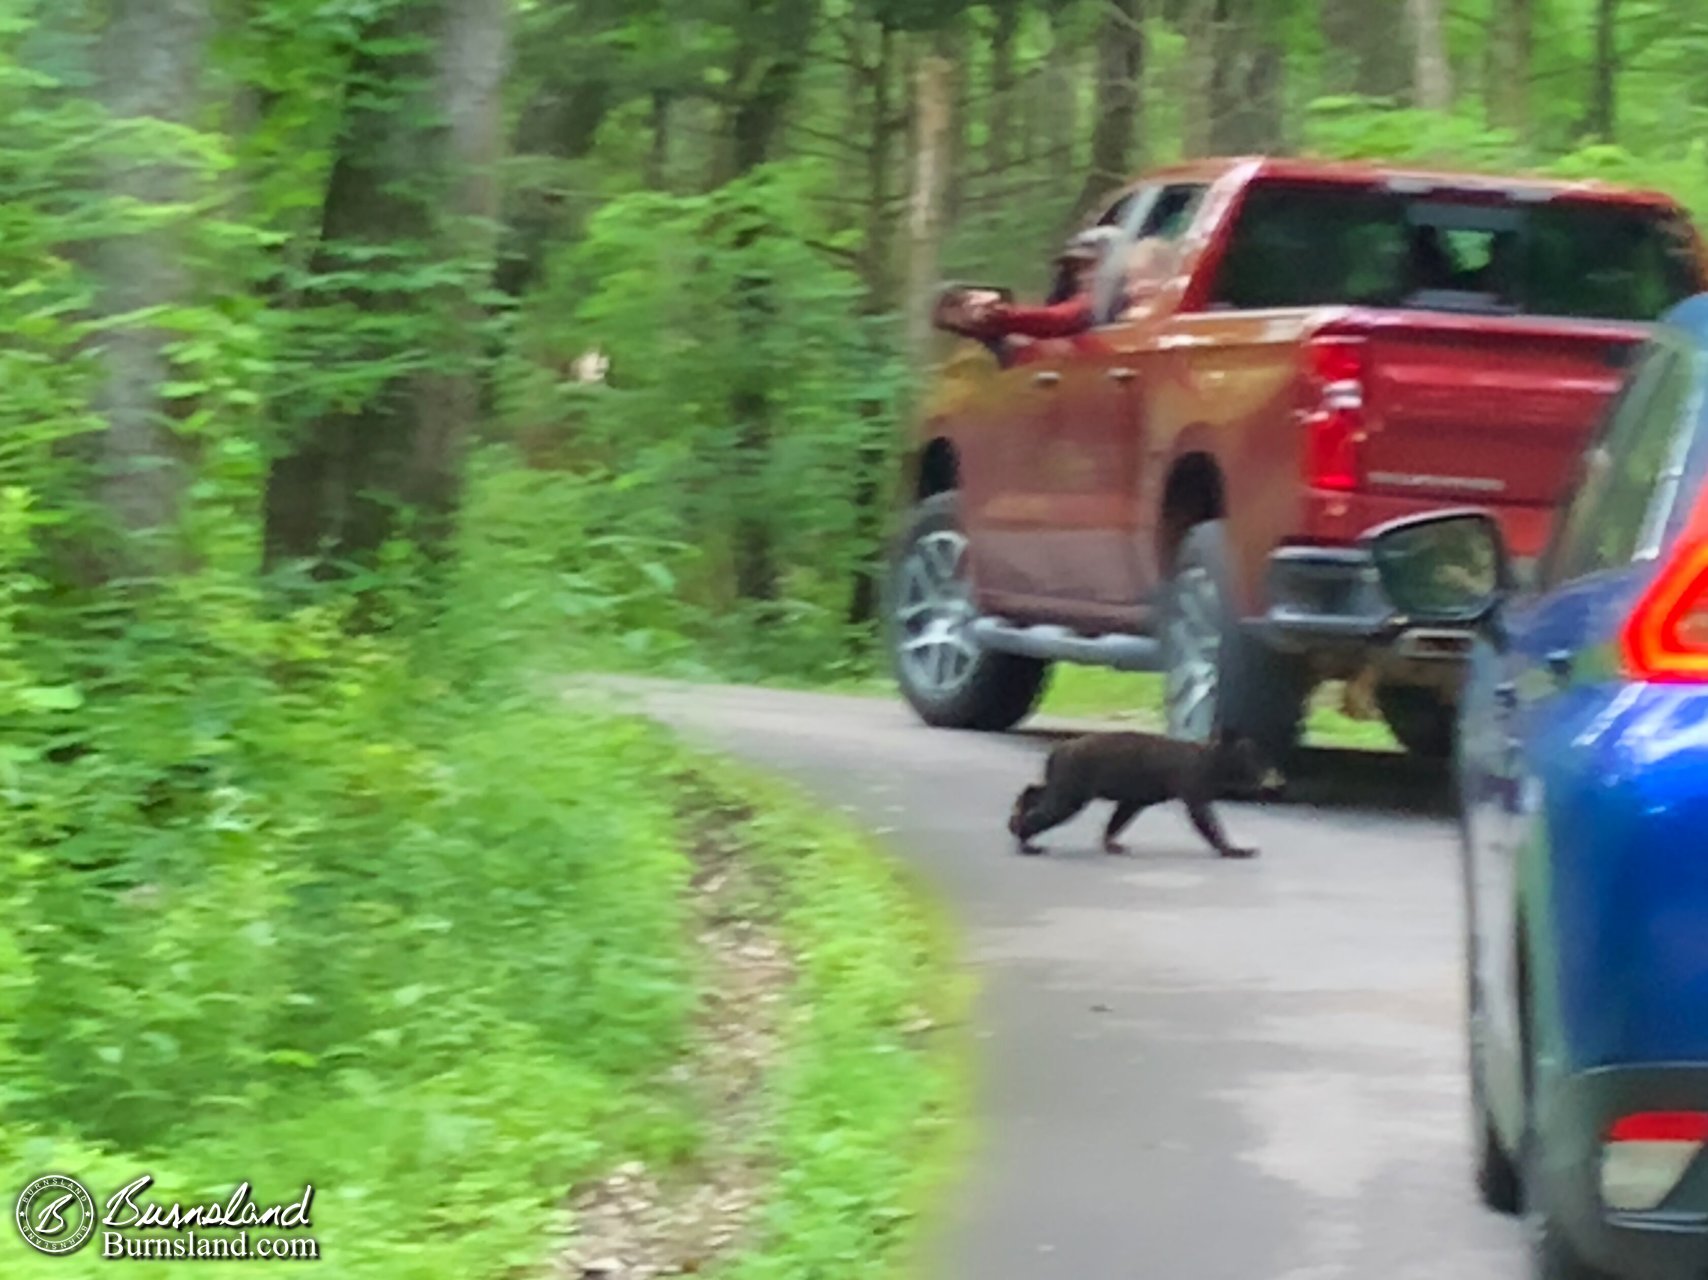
[1646, 1155]
[1334, 412]
[1666, 636]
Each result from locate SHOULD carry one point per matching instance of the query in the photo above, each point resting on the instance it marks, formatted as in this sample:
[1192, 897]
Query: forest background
[302, 504]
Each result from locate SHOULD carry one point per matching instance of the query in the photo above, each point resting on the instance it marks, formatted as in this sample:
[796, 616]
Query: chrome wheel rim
[1195, 641]
[934, 613]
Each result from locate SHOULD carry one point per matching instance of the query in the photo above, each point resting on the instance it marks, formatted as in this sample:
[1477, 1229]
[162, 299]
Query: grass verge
[1077, 692]
[471, 991]
[867, 1105]
[1090, 691]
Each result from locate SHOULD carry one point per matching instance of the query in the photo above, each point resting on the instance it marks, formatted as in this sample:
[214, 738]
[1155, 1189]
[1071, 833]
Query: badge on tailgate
[1464, 484]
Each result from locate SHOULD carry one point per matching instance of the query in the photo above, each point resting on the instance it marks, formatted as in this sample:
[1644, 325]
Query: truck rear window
[1303, 246]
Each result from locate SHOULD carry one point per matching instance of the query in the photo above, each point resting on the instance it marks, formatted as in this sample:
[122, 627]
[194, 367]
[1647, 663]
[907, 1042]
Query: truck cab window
[1173, 212]
[1323, 244]
[1154, 218]
[1116, 214]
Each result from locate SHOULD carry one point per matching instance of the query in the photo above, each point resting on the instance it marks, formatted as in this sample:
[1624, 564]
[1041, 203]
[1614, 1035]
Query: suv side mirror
[1446, 568]
[955, 304]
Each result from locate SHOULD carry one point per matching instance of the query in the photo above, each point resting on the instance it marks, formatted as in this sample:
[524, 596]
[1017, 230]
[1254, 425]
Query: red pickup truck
[1181, 486]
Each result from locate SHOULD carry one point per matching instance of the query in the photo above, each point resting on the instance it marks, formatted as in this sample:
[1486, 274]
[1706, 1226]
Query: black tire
[1419, 719]
[1552, 1255]
[1499, 1185]
[1259, 693]
[998, 690]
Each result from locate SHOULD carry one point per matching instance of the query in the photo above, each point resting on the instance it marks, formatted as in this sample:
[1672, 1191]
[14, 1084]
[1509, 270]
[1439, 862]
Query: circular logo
[55, 1214]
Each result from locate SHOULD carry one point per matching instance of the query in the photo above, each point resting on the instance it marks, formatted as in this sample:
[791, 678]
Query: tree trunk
[1061, 101]
[1247, 82]
[473, 58]
[1120, 63]
[925, 213]
[1508, 91]
[1197, 74]
[658, 154]
[415, 164]
[870, 460]
[564, 120]
[1364, 55]
[1004, 88]
[770, 59]
[565, 53]
[955, 147]
[149, 66]
[1432, 74]
[879, 252]
[1603, 103]
[933, 81]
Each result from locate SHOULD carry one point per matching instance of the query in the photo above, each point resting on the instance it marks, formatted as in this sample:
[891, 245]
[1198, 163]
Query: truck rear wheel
[1421, 721]
[1218, 678]
[947, 679]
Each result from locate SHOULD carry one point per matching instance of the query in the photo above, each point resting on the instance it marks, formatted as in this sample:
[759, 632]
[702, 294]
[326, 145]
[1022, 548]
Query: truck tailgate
[1474, 409]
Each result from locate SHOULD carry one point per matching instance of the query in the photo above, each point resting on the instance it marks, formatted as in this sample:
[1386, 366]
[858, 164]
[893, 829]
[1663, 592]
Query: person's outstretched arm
[1062, 320]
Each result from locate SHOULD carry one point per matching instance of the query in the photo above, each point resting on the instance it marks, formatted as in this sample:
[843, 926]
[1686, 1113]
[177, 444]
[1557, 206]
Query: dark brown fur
[1136, 771]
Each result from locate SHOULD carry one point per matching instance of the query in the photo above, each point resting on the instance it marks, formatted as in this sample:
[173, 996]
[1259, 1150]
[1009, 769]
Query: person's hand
[980, 305]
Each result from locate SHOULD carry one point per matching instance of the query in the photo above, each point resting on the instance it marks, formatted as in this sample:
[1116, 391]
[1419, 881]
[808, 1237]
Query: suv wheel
[946, 678]
[1552, 1254]
[1497, 1173]
[1420, 720]
[1217, 677]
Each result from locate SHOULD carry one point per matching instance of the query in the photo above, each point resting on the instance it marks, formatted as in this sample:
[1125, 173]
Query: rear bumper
[1669, 1243]
[1326, 602]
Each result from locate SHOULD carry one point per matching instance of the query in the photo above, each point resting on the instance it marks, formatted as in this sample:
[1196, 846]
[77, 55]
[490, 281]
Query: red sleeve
[1060, 321]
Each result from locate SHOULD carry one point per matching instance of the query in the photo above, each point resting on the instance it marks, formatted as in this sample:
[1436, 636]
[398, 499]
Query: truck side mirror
[1446, 568]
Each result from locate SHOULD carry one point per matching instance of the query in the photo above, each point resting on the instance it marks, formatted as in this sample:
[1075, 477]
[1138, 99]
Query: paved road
[1192, 1069]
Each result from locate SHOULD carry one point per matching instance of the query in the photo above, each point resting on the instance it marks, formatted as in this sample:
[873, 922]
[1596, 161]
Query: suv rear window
[1303, 245]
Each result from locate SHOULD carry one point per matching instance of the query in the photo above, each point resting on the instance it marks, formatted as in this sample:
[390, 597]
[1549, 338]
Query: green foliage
[304, 884]
[1350, 128]
[1682, 175]
[283, 898]
[566, 569]
[371, 912]
[321, 887]
[658, 285]
[864, 1128]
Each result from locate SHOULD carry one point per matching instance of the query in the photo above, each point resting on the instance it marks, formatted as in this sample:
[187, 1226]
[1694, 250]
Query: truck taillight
[1334, 412]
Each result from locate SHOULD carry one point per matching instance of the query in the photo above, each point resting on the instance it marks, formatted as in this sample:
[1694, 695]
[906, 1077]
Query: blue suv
[1582, 766]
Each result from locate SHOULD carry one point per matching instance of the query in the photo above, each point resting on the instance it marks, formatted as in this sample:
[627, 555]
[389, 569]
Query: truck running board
[1059, 644]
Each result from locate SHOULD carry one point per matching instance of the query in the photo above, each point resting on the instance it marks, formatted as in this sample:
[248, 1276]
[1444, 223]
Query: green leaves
[62, 697]
[658, 285]
[355, 903]
[917, 15]
[407, 997]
